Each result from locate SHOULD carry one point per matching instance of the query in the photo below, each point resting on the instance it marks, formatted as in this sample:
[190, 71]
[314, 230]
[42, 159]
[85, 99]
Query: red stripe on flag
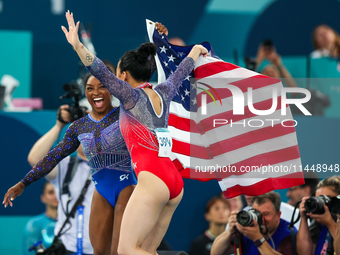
[213, 68]
[265, 186]
[225, 92]
[233, 143]
[265, 159]
[208, 123]
[255, 82]
[249, 138]
[182, 123]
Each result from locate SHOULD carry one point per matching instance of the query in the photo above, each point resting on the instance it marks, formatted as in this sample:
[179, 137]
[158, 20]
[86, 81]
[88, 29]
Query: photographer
[276, 69]
[318, 237]
[296, 193]
[81, 171]
[273, 237]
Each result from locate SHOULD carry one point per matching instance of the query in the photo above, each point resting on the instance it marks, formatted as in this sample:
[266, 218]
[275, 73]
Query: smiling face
[98, 96]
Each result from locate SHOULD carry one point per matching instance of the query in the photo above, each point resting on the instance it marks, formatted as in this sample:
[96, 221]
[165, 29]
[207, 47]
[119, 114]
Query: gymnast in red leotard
[144, 114]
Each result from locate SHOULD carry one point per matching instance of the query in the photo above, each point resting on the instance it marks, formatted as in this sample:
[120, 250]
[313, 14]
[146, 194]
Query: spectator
[217, 213]
[58, 177]
[177, 41]
[286, 210]
[276, 68]
[41, 227]
[318, 237]
[295, 194]
[274, 239]
[326, 42]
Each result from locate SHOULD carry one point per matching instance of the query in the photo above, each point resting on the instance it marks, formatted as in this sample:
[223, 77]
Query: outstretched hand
[12, 193]
[72, 33]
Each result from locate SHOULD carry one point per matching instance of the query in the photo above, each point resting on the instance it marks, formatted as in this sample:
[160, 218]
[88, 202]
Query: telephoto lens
[245, 218]
[315, 204]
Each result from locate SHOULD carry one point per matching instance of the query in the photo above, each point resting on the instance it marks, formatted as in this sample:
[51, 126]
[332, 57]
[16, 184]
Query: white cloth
[320, 53]
[69, 239]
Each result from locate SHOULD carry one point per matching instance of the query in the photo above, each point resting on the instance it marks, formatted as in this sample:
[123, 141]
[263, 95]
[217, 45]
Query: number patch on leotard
[164, 141]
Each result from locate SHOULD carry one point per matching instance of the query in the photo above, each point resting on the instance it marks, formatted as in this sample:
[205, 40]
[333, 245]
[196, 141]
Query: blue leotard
[103, 146]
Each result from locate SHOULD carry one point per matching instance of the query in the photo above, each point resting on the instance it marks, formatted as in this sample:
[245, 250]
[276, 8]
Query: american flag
[252, 154]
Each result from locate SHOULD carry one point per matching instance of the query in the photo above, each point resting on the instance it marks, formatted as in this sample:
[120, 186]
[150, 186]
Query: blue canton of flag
[170, 56]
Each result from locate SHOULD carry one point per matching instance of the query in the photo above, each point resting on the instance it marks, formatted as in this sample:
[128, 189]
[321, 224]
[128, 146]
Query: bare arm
[73, 38]
[284, 73]
[120, 89]
[304, 243]
[45, 143]
[253, 233]
[222, 244]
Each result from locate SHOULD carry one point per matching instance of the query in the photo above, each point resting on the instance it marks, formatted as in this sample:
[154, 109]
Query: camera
[315, 204]
[268, 44]
[251, 63]
[245, 218]
[57, 248]
[73, 91]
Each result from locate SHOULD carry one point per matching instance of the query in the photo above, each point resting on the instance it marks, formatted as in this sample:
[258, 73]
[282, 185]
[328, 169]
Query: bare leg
[121, 203]
[154, 239]
[142, 214]
[101, 224]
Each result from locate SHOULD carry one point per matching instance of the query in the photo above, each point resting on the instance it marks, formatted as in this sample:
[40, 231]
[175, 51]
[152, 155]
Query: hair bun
[146, 50]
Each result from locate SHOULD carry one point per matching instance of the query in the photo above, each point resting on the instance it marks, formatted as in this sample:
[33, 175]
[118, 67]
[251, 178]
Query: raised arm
[120, 89]
[73, 38]
[171, 85]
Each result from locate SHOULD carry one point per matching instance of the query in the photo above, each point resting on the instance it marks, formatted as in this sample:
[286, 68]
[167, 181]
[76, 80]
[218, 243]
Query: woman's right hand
[302, 208]
[12, 193]
[196, 51]
[202, 49]
[232, 222]
[72, 33]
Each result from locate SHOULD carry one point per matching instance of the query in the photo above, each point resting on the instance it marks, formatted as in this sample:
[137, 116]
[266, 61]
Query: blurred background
[36, 61]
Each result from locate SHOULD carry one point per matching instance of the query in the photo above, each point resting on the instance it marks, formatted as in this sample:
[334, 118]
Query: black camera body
[73, 91]
[57, 248]
[315, 204]
[245, 218]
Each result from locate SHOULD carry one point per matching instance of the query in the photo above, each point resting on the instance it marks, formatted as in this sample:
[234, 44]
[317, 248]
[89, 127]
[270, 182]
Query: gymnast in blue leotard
[109, 160]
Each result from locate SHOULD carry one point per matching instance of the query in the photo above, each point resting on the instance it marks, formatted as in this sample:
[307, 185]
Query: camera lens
[315, 204]
[245, 218]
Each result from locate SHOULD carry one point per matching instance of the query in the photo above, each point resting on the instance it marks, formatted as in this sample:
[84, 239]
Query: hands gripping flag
[250, 147]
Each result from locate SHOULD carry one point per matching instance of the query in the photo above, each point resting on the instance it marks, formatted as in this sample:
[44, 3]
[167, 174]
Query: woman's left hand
[12, 193]
[324, 219]
[161, 28]
[72, 33]
[203, 49]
